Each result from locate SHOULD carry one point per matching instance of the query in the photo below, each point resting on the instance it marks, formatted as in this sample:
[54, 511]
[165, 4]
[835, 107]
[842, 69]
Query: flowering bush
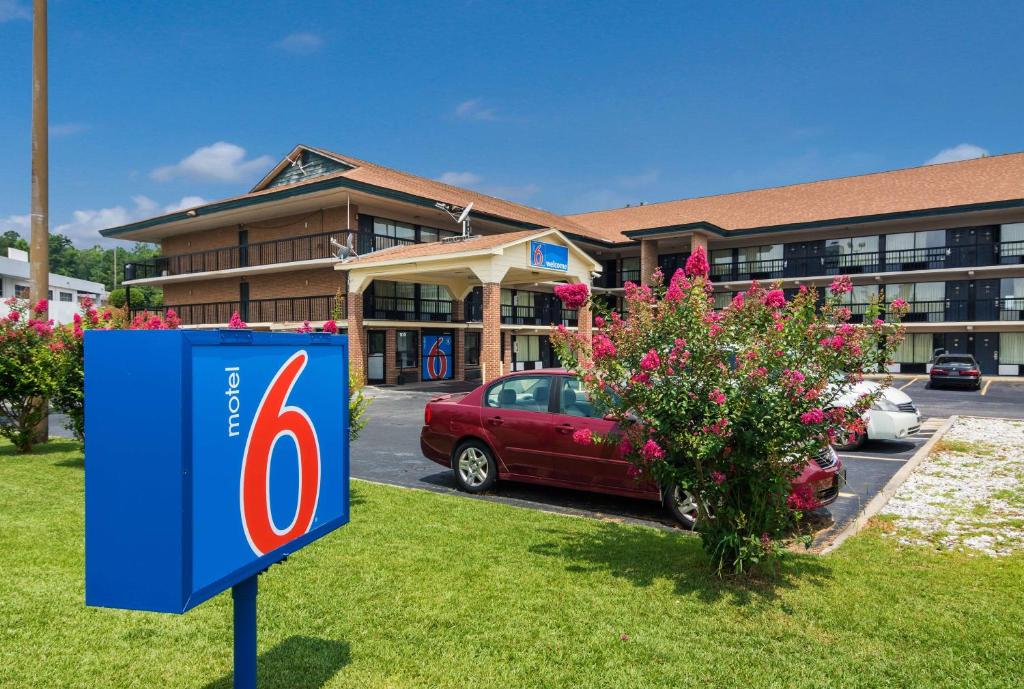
[26, 371]
[729, 404]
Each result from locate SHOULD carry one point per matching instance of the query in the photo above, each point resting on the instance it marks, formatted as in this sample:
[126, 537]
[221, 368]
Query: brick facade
[356, 336]
[391, 356]
[648, 259]
[490, 342]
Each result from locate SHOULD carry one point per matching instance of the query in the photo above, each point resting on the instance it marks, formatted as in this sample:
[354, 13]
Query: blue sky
[565, 106]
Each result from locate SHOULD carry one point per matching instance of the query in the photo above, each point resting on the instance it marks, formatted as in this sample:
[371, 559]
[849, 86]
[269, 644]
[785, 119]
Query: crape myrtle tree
[26, 370]
[728, 405]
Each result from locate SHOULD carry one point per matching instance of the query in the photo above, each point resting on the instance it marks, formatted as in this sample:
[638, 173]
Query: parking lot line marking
[912, 381]
[847, 495]
[877, 457]
[985, 389]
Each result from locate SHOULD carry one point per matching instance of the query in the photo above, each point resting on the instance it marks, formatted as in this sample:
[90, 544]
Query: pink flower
[717, 396]
[737, 301]
[107, 315]
[40, 307]
[718, 477]
[793, 378]
[898, 304]
[841, 285]
[236, 321]
[652, 451]
[814, 416]
[602, 346]
[583, 436]
[674, 293]
[170, 319]
[836, 342]
[330, 327]
[598, 322]
[304, 328]
[650, 361]
[774, 299]
[87, 302]
[802, 498]
[573, 296]
[846, 330]
[13, 316]
[632, 471]
[642, 379]
[697, 263]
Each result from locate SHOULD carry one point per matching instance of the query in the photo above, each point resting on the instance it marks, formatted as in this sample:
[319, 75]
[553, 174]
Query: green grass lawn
[427, 590]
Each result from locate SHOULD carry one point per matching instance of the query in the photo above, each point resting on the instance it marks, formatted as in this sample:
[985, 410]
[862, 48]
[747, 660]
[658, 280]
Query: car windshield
[955, 360]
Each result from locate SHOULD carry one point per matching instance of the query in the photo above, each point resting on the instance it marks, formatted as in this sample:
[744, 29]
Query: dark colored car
[520, 428]
[960, 370]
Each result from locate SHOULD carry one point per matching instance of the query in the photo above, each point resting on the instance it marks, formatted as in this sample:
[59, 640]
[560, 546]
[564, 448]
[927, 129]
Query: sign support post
[244, 597]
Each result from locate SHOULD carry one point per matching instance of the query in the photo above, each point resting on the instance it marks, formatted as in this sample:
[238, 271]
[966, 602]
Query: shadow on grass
[299, 662]
[643, 556]
[53, 447]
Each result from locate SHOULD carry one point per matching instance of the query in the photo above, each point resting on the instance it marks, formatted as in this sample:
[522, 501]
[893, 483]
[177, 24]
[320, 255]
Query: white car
[893, 416]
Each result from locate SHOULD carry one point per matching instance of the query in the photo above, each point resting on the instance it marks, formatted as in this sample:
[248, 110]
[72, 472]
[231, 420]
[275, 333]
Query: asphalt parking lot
[388, 452]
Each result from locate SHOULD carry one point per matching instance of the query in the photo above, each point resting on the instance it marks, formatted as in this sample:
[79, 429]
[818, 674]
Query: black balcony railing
[316, 310]
[892, 260]
[1010, 308]
[381, 307]
[305, 248]
[549, 312]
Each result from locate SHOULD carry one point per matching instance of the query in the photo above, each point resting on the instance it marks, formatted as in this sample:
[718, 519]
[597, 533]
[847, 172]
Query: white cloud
[85, 224]
[67, 128]
[474, 109]
[300, 43]
[186, 202]
[12, 9]
[460, 179]
[219, 162]
[18, 223]
[960, 152]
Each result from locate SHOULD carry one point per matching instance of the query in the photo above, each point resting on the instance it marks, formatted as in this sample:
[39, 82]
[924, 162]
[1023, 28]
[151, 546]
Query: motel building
[325, 235]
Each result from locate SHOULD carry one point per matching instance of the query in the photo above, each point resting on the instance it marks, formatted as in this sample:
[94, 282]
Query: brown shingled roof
[411, 252]
[969, 182]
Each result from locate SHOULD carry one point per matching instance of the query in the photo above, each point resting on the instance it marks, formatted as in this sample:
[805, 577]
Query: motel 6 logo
[275, 420]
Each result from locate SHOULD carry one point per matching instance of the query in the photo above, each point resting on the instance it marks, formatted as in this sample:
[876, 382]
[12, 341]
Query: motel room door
[375, 340]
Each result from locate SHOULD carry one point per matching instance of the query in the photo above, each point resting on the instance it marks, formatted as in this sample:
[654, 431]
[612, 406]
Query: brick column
[356, 336]
[391, 356]
[699, 240]
[648, 259]
[507, 361]
[459, 341]
[490, 342]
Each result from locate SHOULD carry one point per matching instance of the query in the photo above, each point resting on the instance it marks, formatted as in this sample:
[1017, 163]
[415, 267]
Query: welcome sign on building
[550, 256]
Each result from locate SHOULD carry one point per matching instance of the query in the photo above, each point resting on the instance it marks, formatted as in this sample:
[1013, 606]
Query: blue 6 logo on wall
[437, 357]
[538, 254]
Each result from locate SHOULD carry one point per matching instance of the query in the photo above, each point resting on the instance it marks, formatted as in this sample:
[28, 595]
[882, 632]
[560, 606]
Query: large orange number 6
[273, 421]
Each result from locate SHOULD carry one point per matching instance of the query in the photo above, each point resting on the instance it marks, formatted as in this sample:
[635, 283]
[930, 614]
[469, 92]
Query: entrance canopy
[527, 257]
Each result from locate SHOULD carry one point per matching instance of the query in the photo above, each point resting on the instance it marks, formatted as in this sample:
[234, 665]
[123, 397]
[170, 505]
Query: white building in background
[65, 293]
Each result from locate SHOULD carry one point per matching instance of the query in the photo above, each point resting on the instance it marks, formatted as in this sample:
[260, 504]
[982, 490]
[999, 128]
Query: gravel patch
[968, 496]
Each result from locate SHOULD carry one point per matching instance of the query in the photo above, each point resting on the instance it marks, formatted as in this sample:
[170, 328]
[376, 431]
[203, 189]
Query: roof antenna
[462, 218]
[298, 163]
[345, 251]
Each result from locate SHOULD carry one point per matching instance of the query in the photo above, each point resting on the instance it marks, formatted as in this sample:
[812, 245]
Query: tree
[11, 238]
[728, 405]
[26, 371]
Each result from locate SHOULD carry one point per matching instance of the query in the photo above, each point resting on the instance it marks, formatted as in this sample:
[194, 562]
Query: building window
[855, 254]
[389, 233]
[915, 349]
[406, 348]
[472, 349]
[1011, 299]
[927, 300]
[753, 254]
[21, 291]
[1011, 348]
[629, 270]
[527, 348]
[433, 234]
[722, 299]
[66, 296]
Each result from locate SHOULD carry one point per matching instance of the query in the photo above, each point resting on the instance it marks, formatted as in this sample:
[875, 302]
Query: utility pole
[39, 248]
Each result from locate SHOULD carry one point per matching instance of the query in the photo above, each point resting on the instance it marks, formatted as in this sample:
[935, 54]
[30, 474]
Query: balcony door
[375, 345]
[970, 246]
[243, 300]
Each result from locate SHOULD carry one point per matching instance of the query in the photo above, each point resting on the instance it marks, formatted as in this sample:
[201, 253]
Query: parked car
[959, 370]
[520, 428]
[893, 415]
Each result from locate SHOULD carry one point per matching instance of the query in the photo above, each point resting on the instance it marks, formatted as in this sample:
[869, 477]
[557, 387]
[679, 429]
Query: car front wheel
[474, 467]
[858, 440]
[682, 506]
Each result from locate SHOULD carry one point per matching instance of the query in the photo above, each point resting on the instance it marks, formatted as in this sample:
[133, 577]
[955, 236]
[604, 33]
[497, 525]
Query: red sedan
[519, 428]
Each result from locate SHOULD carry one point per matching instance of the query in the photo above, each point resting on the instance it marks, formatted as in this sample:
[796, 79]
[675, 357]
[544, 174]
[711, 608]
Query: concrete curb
[882, 498]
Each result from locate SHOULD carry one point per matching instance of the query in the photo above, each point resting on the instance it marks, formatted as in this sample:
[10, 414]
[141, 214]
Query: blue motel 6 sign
[550, 256]
[210, 455]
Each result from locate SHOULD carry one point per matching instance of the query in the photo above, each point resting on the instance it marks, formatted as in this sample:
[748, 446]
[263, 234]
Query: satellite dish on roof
[465, 213]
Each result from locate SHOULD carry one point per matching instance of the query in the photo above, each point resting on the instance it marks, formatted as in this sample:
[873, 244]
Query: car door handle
[564, 428]
[495, 421]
